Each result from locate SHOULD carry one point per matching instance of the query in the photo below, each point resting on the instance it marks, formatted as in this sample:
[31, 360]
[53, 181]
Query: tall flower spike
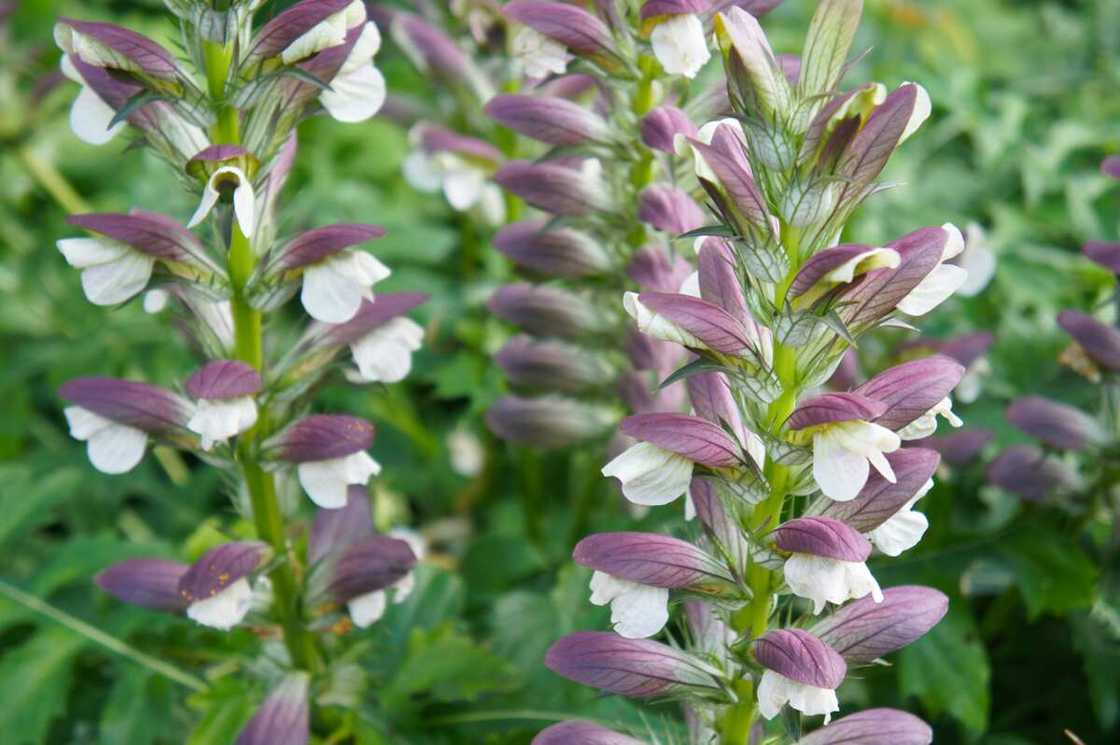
[801, 670]
[224, 390]
[216, 588]
[329, 452]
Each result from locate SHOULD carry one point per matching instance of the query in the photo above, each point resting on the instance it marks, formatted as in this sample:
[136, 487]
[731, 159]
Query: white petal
[359, 467]
[691, 285]
[539, 55]
[680, 45]
[119, 280]
[650, 475]
[366, 610]
[90, 118]
[839, 472]
[900, 533]
[385, 354]
[468, 456]
[420, 172]
[463, 187]
[404, 586]
[217, 421]
[955, 244]
[82, 253]
[245, 207]
[328, 296]
[364, 267]
[324, 482]
[773, 693]
[860, 581]
[84, 423]
[875, 258]
[922, 109]
[226, 609]
[330, 32]
[934, 289]
[210, 198]
[979, 262]
[156, 301]
[492, 205]
[355, 96]
[637, 610]
[657, 326]
[811, 701]
[116, 448]
[823, 580]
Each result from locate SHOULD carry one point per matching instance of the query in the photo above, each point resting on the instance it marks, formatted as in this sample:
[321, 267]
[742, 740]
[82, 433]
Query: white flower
[464, 184]
[978, 260]
[225, 609]
[467, 454]
[650, 475]
[968, 390]
[326, 481]
[775, 690]
[155, 301]
[926, 424]
[244, 200]
[385, 354]
[357, 92]
[366, 610]
[90, 116]
[112, 448]
[901, 532]
[823, 580]
[219, 420]
[539, 55]
[112, 272]
[842, 452]
[922, 109]
[329, 32]
[939, 284]
[637, 610]
[680, 45]
[333, 289]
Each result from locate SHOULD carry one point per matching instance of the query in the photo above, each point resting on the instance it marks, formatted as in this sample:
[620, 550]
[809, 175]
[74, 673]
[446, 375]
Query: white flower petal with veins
[333, 289]
[326, 481]
[356, 95]
[385, 354]
[901, 532]
[926, 424]
[226, 609]
[112, 448]
[657, 326]
[244, 199]
[843, 452]
[776, 690]
[680, 45]
[637, 611]
[823, 580]
[111, 272]
[539, 55]
[650, 475]
[217, 421]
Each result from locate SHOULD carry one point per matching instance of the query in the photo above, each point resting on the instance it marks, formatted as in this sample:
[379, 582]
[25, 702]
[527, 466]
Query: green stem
[248, 337]
[52, 181]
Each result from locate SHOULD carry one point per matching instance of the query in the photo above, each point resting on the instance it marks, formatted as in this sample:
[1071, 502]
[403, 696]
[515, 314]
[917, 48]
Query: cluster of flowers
[1041, 474]
[228, 130]
[794, 488]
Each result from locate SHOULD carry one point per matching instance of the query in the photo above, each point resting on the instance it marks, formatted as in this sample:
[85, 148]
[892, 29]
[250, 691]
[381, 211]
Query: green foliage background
[1027, 102]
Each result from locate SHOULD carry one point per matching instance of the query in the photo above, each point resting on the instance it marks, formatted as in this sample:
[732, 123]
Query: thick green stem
[249, 348]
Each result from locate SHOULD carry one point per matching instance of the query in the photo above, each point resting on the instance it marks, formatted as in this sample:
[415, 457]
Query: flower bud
[549, 119]
[552, 365]
[1058, 425]
[1105, 254]
[283, 718]
[959, 448]
[801, 670]
[572, 26]
[555, 187]
[865, 630]
[669, 209]
[368, 564]
[688, 321]
[554, 252]
[216, 587]
[873, 727]
[545, 311]
[637, 668]
[754, 76]
[661, 126]
[654, 269]
[432, 50]
[867, 153]
[1110, 166]
[547, 422]
[581, 733]
[334, 530]
[912, 389]
[1027, 471]
[148, 583]
[1099, 340]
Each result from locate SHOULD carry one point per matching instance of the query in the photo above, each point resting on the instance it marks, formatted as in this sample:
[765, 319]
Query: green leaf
[495, 562]
[27, 498]
[1052, 573]
[827, 45]
[1100, 656]
[137, 708]
[226, 708]
[34, 680]
[692, 368]
[447, 666]
[948, 670]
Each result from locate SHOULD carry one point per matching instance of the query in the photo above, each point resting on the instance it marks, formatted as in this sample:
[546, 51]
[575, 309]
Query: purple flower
[661, 126]
[800, 670]
[329, 451]
[305, 28]
[113, 47]
[115, 417]
[864, 631]
[548, 422]
[827, 561]
[873, 727]
[1027, 471]
[216, 588]
[890, 123]
[959, 448]
[283, 718]
[726, 176]
[1058, 425]
[549, 119]
[148, 583]
[1099, 340]
[581, 733]
[554, 252]
[557, 187]
[1105, 254]
[225, 390]
[545, 311]
[690, 322]
[334, 530]
[574, 27]
[552, 365]
[654, 269]
[1110, 166]
[755, 78]
[669, 209]
[837, 266]
[637, 668]
[915, 393]
[432, 50]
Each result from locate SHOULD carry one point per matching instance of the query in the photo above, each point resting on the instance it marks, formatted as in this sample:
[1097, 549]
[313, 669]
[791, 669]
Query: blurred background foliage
[1027, 102]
